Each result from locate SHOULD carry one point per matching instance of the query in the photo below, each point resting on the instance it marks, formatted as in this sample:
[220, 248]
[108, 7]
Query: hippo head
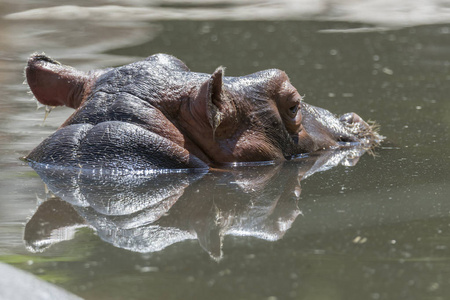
[250, 118]
[156, 113]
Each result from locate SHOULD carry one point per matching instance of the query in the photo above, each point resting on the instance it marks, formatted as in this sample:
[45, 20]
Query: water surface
[377, 230]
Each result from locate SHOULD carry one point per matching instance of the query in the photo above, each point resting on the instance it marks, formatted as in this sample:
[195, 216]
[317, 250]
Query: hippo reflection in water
[149, 213]
[157, 114]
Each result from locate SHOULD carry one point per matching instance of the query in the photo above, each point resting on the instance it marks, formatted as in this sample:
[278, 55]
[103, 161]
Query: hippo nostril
[350, 118]
[361, 130]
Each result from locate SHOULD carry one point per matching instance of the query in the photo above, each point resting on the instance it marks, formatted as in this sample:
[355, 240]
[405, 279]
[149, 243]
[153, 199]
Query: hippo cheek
[252, 146]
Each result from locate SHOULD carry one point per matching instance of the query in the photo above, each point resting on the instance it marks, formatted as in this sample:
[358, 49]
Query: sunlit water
[373, 228]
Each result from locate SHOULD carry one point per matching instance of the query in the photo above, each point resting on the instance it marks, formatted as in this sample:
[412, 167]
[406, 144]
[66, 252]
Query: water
[376, 230]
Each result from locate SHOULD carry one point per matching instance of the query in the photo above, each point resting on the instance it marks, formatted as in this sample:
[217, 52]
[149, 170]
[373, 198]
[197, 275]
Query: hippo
[156, 114]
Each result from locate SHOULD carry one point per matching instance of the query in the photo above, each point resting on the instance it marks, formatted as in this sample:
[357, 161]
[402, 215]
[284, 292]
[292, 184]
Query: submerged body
[157, 114]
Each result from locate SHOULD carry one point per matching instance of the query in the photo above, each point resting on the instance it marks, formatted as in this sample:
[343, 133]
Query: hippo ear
[215, 99]
[54, 84]
[210, 99]
[215, 86]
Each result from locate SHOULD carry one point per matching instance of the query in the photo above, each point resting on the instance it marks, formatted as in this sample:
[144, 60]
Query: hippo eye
[294, 109]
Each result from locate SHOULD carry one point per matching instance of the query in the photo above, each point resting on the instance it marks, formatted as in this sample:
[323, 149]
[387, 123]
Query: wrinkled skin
[157, 114]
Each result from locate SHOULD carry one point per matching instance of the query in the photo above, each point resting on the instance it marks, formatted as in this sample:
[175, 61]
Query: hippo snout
[366, 133]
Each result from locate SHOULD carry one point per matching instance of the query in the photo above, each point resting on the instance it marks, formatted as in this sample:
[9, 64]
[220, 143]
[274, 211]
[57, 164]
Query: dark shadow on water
[149, 213]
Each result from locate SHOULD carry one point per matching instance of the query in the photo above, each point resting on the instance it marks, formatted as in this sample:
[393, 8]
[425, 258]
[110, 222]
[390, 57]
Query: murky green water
[377, 230]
